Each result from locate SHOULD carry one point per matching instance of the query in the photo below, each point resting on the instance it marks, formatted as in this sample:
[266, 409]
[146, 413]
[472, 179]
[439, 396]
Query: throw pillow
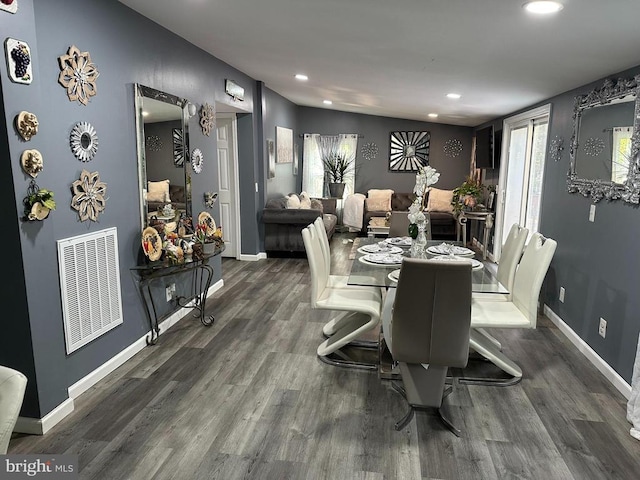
[317, 205]
[305, 201]
[440, 200]
[377, 205]
[158, 191]
[293, 201]
[381, 195]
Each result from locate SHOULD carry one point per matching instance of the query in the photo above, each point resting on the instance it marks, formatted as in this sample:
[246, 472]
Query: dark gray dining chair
[430, 327]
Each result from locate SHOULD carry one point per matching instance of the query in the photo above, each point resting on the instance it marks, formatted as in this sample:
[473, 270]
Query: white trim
[253, 258]
[603, 367]
[37, 426]
[40, 426]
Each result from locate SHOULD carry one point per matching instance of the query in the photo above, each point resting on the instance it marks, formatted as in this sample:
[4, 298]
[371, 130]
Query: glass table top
[366, 274]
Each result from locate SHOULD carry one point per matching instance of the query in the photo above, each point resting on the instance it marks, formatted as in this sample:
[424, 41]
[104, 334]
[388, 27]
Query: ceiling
[401, 58]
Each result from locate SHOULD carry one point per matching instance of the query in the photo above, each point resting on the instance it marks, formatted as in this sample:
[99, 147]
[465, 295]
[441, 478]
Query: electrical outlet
[592, 213]
[561, 296]
[602, 328]
[169, 292]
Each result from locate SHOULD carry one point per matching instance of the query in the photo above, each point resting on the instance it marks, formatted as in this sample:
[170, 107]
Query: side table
[202, 273]
[486, 217]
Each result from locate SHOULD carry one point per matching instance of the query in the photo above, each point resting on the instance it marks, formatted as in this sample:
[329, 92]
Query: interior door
[227, 193]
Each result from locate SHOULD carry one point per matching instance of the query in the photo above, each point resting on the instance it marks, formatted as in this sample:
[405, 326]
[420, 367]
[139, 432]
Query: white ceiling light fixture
[543, 7]
[327, 102]
[302, 77]
[433, 115]
[454, 96]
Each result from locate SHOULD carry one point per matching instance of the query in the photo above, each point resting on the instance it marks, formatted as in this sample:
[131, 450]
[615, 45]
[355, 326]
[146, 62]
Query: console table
[486, 217]
[146, 274]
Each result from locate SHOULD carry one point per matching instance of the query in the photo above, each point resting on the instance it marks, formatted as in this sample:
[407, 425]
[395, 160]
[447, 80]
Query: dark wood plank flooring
[248, 399]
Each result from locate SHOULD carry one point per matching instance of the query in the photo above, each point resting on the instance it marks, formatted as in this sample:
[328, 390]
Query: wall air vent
[89, 286]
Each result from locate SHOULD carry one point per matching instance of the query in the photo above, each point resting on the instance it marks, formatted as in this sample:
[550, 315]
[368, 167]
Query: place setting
[380, 247]
[399, 241]
[475, 264]
[448, 249]
[382, 259]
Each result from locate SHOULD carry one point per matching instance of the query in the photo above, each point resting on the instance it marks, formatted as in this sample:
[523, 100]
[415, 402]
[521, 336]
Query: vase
[419, 244]
[336, 190]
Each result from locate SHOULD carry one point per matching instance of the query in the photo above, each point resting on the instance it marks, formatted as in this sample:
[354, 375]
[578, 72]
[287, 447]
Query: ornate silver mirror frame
[597, 189]
[142, 92]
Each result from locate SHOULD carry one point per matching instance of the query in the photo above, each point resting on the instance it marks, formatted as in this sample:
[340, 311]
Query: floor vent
[90, 286]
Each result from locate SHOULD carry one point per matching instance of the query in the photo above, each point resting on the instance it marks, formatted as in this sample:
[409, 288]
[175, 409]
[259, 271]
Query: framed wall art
[18, 61]
[284, 143]
[178, 147]
[408, 151]
[271, 156]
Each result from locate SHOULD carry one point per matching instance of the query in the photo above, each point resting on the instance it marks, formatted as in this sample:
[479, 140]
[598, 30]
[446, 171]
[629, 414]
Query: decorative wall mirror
[158, 114]
[605, 144]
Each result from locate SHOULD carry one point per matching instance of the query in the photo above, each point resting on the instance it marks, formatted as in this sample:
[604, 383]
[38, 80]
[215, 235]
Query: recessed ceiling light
[302, 77]
[433, 115]
[543, 7]
[454, 96]
[145, 113]
[327, 102]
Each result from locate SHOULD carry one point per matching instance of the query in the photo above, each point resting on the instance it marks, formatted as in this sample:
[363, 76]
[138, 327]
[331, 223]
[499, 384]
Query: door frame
[508, 125]
[236, 177]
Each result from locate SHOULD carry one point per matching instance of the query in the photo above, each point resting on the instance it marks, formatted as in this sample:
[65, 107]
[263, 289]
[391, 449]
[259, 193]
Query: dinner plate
[379, 248]
[448, 249]
[206, 219]
[393, 276]
[399, 241]
[382, 259]
[475, 264]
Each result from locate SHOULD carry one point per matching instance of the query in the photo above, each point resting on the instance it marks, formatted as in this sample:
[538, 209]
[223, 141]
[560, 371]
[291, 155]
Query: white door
[228, 191]
[521, 176]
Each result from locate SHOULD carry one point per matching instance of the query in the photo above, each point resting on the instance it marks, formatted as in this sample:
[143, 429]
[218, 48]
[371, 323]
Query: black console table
[146, 274]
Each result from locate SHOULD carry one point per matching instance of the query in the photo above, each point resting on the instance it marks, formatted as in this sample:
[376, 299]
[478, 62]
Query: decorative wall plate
[205, 218]
[78, 75]
[207, 119]
[151, 243]
[408, 151]
[10, 6]
[18, 61]
[197, 160]
[27, 125]
[84, 141]
[32, 163]
[89, 196]
[178, 147]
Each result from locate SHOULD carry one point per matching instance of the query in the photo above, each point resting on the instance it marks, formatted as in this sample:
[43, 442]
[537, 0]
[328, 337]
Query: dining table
[483, 280]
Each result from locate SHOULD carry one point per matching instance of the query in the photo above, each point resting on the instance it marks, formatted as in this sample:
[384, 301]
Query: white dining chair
[12, 388]
[361, 306]
[520, 312]
[337, 281]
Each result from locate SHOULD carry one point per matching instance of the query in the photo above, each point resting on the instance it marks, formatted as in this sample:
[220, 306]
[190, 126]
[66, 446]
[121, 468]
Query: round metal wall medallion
[84, 141]
[197, 160]
[452, 147]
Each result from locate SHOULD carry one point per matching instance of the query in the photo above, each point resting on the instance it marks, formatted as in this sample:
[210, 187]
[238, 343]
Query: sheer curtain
[316, 146]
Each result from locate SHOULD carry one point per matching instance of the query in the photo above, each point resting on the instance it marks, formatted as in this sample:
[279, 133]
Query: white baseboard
[253, 258]
[603, 367]
[39, 426]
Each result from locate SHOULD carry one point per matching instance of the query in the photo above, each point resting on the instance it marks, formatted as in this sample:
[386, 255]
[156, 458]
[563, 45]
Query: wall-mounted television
[488, 147]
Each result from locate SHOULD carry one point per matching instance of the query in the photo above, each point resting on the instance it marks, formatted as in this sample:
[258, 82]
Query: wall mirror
[163, 144]
[605, 143]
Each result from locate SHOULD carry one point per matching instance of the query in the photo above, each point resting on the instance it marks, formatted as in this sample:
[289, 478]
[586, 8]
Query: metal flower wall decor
[78, 75]
[369, 151]
[89, 196]
[207, 119]
[83, 141]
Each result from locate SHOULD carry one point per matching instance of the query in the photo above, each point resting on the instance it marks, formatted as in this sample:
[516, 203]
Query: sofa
[443, 221]
[161, 193]
[284, 220]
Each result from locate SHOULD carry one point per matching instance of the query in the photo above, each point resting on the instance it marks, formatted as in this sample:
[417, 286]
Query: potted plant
[337, 167]
[467, 195]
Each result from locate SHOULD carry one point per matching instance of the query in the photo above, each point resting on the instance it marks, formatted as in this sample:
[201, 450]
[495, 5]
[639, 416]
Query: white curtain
[633, 406]
[315, 147]
[621, 153]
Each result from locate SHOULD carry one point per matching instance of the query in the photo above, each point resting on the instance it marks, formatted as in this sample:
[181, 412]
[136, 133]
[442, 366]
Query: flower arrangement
[425, 177]
[38, 203]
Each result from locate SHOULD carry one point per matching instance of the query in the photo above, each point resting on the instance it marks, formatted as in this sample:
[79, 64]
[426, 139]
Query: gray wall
[595, 262]
[160, 164]
[126, 48]
[280, 112]
[375, 173]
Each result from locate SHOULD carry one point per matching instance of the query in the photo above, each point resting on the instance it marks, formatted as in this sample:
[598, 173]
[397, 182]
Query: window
[316, 146]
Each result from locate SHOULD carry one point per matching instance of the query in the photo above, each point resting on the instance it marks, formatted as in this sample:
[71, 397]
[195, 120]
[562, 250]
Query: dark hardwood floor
[247, 398]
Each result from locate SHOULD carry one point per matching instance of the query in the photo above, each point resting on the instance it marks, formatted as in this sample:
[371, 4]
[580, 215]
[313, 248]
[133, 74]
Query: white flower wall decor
[89, 196]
